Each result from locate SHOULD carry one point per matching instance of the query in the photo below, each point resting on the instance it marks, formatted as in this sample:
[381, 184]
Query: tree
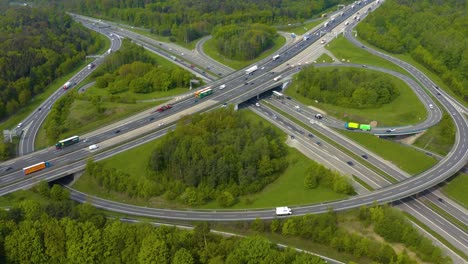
[289, 227]
[24, 244]
[182, 256]
[43, 188]
[251, 250]
[153, 251]
[57, 193]
[311, 181]
[32, 209]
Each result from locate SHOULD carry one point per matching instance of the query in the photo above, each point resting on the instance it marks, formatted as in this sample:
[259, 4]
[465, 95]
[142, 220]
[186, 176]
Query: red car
[163, 108]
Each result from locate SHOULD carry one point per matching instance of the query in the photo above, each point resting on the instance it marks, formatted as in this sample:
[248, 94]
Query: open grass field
[19, 196]
[288, 189]
[404, 157]
[406, 109]
[324, 58]
[211, 51]
[439, 138]
[456, 189]
[343, 49]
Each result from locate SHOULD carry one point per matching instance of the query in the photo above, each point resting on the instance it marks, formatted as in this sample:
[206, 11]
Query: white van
[284, 210]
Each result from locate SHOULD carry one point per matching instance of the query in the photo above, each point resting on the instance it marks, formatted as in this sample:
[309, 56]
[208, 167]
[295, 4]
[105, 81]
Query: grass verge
[210, 50]
[303, 28]
[19, 196]
[325, 58]
[404, 157]
[348, 52]
[456, 189]
[437, 236]
[446, 215]
[363, 183]
[336, 145]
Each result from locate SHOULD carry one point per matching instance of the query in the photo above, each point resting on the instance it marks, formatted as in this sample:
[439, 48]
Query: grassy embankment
[456, 189]
[324, 58]
[404, 110]
[287, 189]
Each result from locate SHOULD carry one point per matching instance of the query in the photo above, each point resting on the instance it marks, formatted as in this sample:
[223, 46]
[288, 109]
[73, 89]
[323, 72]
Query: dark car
[288, 97]
[40, 108]
[152, 118]
[318, 143]
[246, 83]
[364, 156]
[311, 136]
[350, 163]
[292, 136]
[117, 131]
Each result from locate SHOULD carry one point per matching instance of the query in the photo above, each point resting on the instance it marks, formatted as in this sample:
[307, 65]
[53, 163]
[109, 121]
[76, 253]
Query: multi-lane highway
[72, 160]
[237, 86]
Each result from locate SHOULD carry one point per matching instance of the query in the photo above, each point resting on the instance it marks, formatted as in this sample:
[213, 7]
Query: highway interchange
[238, 92]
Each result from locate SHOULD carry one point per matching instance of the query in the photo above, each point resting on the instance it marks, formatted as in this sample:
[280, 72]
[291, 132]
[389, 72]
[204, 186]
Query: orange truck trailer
[36, 167]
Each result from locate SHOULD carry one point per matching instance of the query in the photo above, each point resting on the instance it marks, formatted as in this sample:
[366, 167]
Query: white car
[431, 106]
[222, 86]
[257, 104]
[94, 146]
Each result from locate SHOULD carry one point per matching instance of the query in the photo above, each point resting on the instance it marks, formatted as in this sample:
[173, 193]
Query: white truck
[67, 85]
[277, 78]
[284, 210]
[251, 69]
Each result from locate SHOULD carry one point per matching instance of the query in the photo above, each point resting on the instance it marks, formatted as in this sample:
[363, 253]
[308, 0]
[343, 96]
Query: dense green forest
[221, 151]
[433, 32]
[37, 46]
[243, 42]
[353, 88]
[62, 232]
[132, 69]
[187, 20]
